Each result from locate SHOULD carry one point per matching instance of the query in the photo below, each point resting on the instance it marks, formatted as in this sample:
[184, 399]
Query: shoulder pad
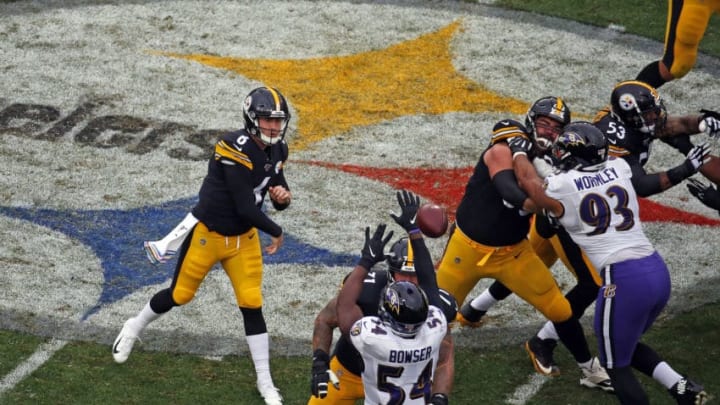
[506, 129]
[605, 111]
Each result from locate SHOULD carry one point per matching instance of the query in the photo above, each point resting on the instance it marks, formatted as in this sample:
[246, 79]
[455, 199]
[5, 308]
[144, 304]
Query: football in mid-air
[432, 220]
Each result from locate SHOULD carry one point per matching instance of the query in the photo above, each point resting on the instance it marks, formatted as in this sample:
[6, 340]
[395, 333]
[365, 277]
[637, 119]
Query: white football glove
[699, 155]
[710, 123]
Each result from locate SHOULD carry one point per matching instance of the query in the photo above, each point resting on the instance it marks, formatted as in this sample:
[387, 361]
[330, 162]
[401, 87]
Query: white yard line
[528, 390]
[37, 359]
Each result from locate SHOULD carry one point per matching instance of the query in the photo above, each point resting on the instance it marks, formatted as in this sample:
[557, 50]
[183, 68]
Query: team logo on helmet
[559, 110]
[392, 301]
[627, 102]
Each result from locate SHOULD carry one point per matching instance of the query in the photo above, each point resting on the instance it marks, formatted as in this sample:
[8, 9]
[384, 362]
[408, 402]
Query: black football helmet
[551, 107]
[638, 106]
[400, 259]
[580, 146]
[404, 308]
[265, 102]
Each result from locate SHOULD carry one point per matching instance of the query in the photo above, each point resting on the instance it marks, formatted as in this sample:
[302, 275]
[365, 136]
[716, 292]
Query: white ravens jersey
[398, 370]
[601, 212]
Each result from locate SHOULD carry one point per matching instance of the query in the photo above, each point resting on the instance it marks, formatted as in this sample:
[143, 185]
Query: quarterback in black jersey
[336, 378]
[247, 165]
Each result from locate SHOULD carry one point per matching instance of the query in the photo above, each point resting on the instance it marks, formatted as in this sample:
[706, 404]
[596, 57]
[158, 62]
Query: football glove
[710, 123]
[439, 399]
[372, 251]
[520, 145]
[707, 194]
[699, 155]
[409, 205]
[321, 374]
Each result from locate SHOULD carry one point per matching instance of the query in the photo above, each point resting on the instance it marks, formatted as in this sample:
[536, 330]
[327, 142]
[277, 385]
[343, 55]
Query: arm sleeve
[239, 181]
[425, 270]
[645, 184]
[506, 184]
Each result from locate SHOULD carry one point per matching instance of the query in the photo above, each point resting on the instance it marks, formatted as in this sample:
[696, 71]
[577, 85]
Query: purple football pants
[633, 294]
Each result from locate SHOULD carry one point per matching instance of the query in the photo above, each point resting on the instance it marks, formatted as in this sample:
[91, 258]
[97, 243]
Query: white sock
[587, 364]
[145, 316]
[484, 301]
[548, 332]
[172, 241]
[260, 352]
[665, 375]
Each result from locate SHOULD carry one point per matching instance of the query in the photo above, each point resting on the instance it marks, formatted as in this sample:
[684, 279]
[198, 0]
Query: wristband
[680, 173]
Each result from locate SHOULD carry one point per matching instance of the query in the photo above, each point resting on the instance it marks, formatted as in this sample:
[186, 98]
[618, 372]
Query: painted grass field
[106, 113]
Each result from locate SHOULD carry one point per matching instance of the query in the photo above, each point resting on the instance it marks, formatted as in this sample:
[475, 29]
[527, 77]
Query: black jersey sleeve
[425, 271]
[239, 182]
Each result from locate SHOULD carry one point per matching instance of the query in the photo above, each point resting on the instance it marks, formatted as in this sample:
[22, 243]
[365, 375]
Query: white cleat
[596, 377]
[270, 393]
[124, 342]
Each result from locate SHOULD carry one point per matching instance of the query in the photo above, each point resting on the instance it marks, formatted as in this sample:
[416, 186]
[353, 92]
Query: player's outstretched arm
[534, 187]
[409, 204]
[372, 252]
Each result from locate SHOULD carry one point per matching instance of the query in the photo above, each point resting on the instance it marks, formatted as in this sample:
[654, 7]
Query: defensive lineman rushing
[224, 225]
[400, 346]
[593, 198]
[337, 379]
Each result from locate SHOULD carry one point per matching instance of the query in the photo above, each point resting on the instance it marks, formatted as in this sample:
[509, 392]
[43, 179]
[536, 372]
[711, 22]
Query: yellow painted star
[334, 94]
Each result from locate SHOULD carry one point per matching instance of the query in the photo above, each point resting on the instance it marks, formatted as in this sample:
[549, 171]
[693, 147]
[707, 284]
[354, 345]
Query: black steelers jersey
[239, 175]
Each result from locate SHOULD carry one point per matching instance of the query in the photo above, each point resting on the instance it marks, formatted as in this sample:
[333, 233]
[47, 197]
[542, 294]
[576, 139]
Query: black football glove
[707, 194]
[711, 121]
[372, 251]
[409, 205]
[321, 374]
[520, 145]
[439, 399]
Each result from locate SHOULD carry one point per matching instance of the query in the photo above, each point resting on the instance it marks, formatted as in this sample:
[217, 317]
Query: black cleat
[541, 354]
[688, 392]
[469, 316]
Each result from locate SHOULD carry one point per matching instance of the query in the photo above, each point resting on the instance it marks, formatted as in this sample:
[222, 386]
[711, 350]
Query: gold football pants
[465, 262]
[240, 257]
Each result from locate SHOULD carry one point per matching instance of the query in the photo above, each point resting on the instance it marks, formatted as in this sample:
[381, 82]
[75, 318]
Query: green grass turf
[84, 373]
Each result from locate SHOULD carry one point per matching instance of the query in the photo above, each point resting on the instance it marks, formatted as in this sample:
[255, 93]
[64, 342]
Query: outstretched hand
[707, 194]
[699, 155]
[409, 205]
[374, 247]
